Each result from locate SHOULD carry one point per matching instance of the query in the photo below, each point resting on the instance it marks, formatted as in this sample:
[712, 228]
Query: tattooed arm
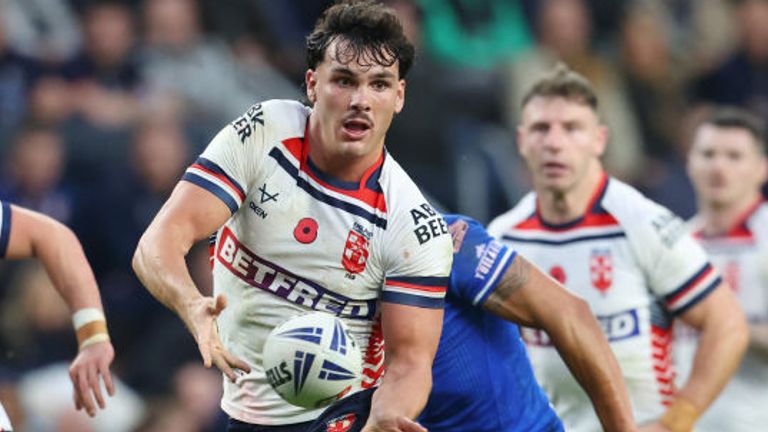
[529, 297]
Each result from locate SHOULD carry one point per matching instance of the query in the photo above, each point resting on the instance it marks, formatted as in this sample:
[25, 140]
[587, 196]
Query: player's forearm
[160, 266]
[722, 343]
[582, 345]
[60, 252]
[404, 389]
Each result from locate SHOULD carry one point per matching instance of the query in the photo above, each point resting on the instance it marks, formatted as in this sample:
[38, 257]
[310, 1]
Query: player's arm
[723, 339]
[528, 297]
[189, 215]
[411, 336]
[35, 235]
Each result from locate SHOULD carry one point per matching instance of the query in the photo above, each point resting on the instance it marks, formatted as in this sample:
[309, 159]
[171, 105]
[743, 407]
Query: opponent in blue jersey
[482, 379]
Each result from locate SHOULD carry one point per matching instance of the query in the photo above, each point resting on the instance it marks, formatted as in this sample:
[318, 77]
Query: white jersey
[637, 267]
[299, 241]
[741, 256]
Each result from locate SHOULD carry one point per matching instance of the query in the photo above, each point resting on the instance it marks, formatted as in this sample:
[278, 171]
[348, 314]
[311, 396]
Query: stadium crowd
[104, 103]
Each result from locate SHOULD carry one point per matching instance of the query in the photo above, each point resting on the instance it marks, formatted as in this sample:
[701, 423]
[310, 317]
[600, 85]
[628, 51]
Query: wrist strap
[90, 327]
[680, 416]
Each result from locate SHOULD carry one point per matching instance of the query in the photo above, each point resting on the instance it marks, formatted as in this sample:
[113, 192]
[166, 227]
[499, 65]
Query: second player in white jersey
[637, 268]
[727, 165]
[629, 258]
[742, 257]
[300, 241]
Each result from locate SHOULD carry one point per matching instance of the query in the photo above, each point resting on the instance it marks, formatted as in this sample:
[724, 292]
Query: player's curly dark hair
[368, 32]
[566, 83]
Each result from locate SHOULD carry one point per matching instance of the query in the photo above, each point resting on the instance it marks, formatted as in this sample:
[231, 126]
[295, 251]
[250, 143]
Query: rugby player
[629, 258]
[25, 234]
[310, 212]
[727, 165]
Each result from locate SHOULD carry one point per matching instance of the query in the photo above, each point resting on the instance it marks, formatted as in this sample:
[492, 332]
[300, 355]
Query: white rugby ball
[312, 360]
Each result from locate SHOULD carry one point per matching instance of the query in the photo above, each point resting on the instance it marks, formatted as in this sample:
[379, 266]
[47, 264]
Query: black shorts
[238, 426]
[347, 415]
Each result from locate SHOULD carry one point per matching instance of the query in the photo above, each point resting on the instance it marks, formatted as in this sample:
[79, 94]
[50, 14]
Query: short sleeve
[225, 166]
[5, 227]
[419, 255]
[676, 266]
[479, 261]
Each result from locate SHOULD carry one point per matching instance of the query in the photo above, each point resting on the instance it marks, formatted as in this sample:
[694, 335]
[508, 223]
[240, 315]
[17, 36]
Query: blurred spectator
[202, 71]
[564, 29]
[44, 29]
[742, 79]
[36, 324]
[46, 397]
[474, 33]
[34, 173]
[193, 406]
[655, 78]
[51, 102]
[18, 74]
[105, 74]
[446, 104]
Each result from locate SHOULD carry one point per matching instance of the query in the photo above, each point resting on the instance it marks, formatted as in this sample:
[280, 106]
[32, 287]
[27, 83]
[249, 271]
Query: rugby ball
[312, 360]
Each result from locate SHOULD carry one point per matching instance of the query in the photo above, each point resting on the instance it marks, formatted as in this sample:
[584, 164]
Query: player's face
[726, 166]
[354, 103]
[560, 140]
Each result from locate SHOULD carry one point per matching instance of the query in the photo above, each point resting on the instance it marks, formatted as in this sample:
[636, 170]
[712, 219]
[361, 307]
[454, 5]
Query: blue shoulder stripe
[432, 281]
[212, 166]
[212, 188]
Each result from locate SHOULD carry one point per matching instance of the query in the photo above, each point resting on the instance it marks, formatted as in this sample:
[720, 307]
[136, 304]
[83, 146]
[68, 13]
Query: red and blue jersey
[636, 265]
[299, 240]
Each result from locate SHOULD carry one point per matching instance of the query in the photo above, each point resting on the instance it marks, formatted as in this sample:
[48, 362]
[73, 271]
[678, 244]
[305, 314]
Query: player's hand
[653, 427]
[91, 362]
[396, 424]
[201, 319]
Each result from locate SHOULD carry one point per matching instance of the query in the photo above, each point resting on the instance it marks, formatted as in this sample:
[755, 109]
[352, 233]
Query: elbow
[577, 310]
[574, 316]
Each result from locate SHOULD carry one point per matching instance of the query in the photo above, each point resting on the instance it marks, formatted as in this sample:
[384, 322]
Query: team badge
[557, 274]
[355, 252]
[601, 269]
[341, 423]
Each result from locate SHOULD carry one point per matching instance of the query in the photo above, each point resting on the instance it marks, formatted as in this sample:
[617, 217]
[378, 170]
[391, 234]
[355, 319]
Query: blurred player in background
[629, 258]
[311, 213]
[483, 380]
[26, 234]
[727, 165]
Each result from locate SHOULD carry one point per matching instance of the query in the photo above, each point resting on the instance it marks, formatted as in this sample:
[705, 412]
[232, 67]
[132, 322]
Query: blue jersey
[482, 379]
